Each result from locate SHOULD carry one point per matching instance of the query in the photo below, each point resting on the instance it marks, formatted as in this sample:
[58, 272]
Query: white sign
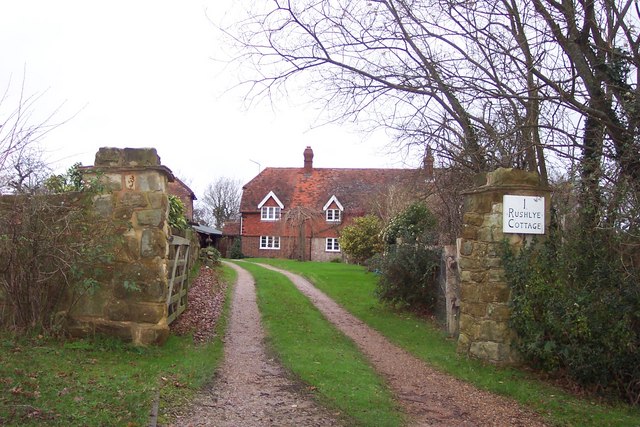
[523, 214]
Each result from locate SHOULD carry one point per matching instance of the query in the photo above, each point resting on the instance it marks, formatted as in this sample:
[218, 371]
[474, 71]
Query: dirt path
[250, 389]
[428, 396]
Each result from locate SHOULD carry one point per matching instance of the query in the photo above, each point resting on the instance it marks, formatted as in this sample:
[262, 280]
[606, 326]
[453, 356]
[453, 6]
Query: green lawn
[352, 287]
[100, 381]
[319, 355]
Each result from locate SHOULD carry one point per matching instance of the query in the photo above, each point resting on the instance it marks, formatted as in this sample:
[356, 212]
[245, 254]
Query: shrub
[410, 262]
[53, 248]
[361, 240]
[210, 256]
[235, 251]
[177, 219]
[576, 309]
[409, 276]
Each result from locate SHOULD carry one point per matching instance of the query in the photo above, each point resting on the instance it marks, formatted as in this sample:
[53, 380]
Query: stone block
[509, 177]
[468, 263]
[496, 275]
[109, 156]
[493, 220]
[123, 213]
[469, 292]
[111, 181]
[145, 334]
[486, 350]
[469, 326]
[103, 205]
[495, 292]
[158, 200]
[153, 243]
[491, 330]
[463, 344]
[141, 157]
[466, 248]
[465, 276]
[149, 217]
[120, 330]
[150, 182]
[491, 262]
[475, 309]
[137, 312]
[133, 199]
[473, 218]
[148, 276]
[494, 250]
[92, 304]
[469, 232]
[488, 234]
[500, 312]
[130, 250]
[479, 276]
[478, 203]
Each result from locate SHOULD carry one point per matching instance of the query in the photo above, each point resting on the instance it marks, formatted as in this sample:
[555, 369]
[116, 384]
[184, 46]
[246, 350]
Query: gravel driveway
[250, 388]
[253, 390]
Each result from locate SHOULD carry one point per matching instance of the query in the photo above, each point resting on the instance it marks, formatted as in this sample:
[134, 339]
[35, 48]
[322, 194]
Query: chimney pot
[308, 160]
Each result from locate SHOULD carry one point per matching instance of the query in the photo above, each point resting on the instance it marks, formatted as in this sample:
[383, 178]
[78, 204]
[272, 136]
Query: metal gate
[178, 264]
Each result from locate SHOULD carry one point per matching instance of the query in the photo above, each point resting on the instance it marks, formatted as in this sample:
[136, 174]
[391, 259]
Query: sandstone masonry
[131, 300]
[484, 293]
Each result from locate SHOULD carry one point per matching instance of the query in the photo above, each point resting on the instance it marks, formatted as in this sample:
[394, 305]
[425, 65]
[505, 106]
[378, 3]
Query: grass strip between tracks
[319, 355]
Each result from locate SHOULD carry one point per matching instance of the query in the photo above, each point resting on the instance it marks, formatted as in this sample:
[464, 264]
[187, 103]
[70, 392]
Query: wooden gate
[178, 265]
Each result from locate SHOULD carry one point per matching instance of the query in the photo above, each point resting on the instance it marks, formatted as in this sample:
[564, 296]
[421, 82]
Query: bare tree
[484, 83]
[25, 171]
[221, 202]
[18, 129]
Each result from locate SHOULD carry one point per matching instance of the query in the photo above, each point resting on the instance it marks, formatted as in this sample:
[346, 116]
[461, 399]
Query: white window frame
[270, 242]
[332, 244]
[333, 215]
[270, 213]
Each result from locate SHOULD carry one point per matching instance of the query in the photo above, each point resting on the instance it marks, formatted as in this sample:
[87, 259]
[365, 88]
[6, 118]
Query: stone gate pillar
[130, 301]
[484, 293]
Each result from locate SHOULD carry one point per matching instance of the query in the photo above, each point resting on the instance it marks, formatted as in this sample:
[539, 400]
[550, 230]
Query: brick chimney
[308, 160]
[428, 164]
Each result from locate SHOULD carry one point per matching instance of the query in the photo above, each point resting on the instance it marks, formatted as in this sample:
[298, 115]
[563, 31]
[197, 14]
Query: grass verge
[319, 355]
[99, 381]
[353, 288]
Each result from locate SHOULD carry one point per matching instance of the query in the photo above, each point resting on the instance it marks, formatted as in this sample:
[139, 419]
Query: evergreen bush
[235, 251]
[409, 266]
[576, 309]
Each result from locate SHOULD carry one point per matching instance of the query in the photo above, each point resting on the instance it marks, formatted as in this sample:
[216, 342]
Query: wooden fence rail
[178, 265]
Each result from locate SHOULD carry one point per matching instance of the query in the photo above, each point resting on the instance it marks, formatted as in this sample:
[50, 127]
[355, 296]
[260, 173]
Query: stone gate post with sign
[511, 205]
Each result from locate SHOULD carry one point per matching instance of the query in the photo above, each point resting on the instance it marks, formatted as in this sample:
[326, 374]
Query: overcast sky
[142, 74]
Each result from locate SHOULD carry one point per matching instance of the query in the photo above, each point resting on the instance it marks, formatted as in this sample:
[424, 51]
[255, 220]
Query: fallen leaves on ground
[205, 302]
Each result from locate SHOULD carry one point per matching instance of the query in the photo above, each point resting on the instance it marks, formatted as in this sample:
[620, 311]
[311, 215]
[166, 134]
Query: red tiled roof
[354, 188]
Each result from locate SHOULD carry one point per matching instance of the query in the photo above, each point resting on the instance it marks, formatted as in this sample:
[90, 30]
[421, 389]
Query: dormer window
[271, 212]
[334, 215]
[333, 210]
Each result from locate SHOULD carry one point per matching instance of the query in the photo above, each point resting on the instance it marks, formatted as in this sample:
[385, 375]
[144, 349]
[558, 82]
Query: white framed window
[269, 242]
[334, 215]
[332, 244]
[270, 213]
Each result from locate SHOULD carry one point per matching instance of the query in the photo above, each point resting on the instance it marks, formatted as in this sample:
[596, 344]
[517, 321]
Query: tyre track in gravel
[250, 389]
[429, 397]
